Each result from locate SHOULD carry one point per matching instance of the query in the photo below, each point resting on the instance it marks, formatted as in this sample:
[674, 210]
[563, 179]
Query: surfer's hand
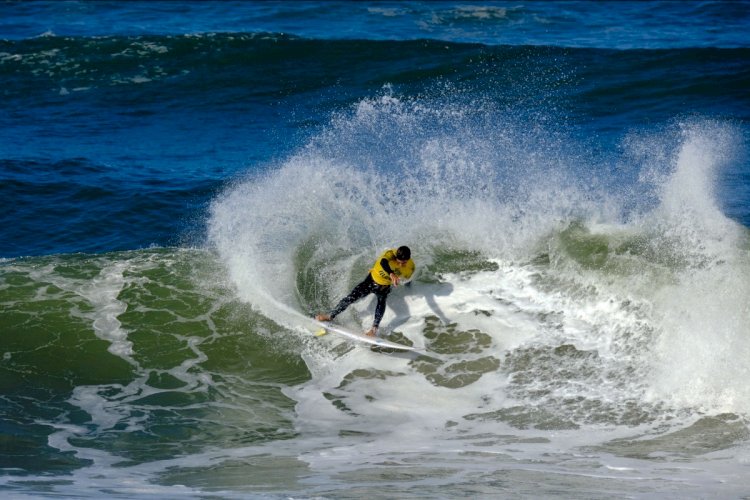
[395, 279]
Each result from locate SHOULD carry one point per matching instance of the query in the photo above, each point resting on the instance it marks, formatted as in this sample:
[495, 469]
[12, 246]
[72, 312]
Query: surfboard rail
[361, 337]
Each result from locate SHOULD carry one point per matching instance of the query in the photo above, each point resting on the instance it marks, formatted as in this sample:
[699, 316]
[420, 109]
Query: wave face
[185, 182]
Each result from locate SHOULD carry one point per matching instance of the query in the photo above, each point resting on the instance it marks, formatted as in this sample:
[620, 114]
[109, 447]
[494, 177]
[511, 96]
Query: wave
[520, 245]
[516, 252]
[546, 300]
[244, 60]
[581, 24]
[581, 290]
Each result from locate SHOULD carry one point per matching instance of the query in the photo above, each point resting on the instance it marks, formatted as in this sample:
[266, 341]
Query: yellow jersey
[379, 271]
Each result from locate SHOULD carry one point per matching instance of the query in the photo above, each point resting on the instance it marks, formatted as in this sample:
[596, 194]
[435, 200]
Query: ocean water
[184, 182]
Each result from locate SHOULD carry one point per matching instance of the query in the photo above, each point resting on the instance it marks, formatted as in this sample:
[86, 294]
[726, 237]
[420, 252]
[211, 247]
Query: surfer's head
[403, 254]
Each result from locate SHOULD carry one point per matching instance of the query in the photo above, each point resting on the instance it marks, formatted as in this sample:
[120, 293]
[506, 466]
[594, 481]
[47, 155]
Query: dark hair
[403, 253]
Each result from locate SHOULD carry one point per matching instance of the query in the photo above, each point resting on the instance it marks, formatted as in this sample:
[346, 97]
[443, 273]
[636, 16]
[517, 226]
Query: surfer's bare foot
[372, 332]
[323, 317]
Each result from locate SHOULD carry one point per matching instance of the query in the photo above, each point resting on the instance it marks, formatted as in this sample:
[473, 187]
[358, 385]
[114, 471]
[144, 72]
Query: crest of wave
[389, 171]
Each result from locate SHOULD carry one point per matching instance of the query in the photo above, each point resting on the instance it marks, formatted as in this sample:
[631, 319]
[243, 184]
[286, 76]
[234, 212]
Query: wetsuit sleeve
[385, 266]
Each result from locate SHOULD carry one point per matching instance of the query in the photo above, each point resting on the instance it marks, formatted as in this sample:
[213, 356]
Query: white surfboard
[361, 337]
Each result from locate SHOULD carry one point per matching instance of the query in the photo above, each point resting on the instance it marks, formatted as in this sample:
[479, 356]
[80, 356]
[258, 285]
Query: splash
[702, 314]
[399, 170]
[633, 269]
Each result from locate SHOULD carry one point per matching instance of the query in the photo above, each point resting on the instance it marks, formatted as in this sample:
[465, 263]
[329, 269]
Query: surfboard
[361, 337]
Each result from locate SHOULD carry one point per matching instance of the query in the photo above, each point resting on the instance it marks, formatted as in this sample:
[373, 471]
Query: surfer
[389, 269]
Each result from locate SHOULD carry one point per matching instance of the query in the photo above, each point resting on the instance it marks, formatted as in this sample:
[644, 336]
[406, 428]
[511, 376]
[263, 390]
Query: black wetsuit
[365, 288]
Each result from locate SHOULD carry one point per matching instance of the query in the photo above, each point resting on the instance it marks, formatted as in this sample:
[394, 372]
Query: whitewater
[575, 331]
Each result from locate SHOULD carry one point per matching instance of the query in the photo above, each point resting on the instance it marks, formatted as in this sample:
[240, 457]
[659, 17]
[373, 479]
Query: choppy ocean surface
[184, 181]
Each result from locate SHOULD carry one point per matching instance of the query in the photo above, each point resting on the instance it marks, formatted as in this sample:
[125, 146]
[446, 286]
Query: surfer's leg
[382, 294]
[359, 291]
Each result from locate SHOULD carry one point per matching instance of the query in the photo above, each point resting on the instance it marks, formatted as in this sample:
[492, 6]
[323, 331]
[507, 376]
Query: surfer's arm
[387, 268]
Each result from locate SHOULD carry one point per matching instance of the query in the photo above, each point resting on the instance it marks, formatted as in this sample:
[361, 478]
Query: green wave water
[145, 354]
